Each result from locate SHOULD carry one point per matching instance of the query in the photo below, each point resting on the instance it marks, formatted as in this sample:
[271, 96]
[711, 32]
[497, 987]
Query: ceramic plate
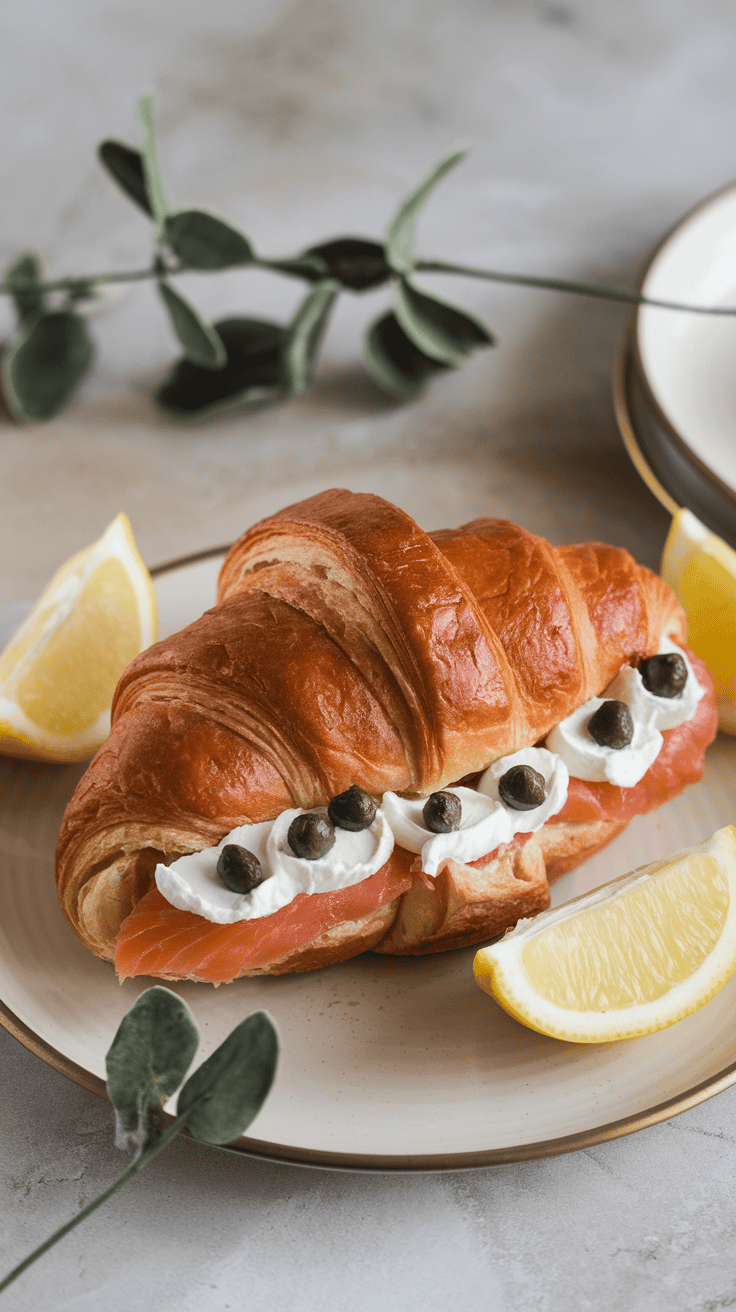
[663, 462]
[688, 361]
[387, 1064]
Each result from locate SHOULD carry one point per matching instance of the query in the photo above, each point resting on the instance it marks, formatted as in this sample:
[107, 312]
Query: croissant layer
[348, 646]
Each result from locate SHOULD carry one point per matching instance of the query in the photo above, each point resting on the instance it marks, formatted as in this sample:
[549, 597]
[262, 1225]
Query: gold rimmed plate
[389, 1064]
[675, 381]
[663, 463]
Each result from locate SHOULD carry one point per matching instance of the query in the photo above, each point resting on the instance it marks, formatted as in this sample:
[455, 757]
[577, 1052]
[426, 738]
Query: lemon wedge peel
[502, 970]
[58, 671]
[701, 569]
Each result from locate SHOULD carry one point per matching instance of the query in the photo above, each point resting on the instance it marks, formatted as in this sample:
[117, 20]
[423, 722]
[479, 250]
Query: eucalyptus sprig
[243, 364]
[151, 1053]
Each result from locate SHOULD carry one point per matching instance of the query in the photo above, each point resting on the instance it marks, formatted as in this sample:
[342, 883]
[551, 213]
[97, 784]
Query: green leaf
[303, 336]
[125, 165]
[400, 236]
[201, 241]
[152, 174]
[394, 363]
[227, 1091]
[147, 1061]
[439, 329]
[310, 267]
[83, 290]
[44, 364]
[352, 261]
[250, 379]
[25, 271]
[201, 342]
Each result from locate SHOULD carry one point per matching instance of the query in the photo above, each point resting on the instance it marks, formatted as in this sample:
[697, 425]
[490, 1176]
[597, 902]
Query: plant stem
[134, 275]
[137, 1165]
[71, 284]
[625, 294]
[562, 285]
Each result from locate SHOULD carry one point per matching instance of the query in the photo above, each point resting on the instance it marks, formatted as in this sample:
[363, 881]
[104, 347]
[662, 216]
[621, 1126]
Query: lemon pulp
[707, 590]
[635, 948]
[59, 671]
[74, 677]
[701, 569]
[628, 958]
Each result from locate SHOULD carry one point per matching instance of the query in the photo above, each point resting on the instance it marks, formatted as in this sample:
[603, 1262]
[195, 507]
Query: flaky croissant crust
[347, 646]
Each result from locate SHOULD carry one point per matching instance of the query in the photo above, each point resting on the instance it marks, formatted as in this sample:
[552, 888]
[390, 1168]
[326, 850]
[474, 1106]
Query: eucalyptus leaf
[393, 361]
[202, 241]
[303, 336]
[152, 174]
[226, 1093]
[147, 1061]
[400, 236]
[85, 292]
[310, 267]
[25, 271]
[149, 1056]
[439, 329]
[43, 365]
[249, 380]
[125, 165]
[354, 262]
[202, 343]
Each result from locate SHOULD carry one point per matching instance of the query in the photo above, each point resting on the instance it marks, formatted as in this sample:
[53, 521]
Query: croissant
[349, 646]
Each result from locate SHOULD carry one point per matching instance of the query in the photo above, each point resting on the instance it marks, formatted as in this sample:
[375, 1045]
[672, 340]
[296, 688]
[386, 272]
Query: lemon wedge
[701, 570]
[627, 959]
[58, 672]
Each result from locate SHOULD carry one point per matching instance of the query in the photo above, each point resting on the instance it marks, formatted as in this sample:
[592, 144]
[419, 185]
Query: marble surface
[593, 127]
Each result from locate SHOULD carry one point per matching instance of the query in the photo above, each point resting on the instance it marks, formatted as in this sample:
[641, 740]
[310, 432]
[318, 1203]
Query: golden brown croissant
[349, 646]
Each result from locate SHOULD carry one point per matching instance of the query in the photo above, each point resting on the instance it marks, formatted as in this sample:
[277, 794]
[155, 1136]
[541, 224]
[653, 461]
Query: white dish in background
[662, 461]
[688, 361]
[387, 1063]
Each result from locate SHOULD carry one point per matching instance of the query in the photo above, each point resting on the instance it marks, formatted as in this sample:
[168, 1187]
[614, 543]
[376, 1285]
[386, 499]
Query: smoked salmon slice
[159, 939]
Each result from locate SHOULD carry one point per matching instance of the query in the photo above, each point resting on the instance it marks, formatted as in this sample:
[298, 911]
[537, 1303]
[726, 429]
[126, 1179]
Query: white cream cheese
[192, 882]
[625, 766]
[485, 824]
[586, 759]
[661, 712]
[555, 774]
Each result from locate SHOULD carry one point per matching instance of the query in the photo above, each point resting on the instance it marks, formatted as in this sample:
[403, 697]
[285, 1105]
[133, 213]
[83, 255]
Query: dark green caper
[442, 813]
[311, 835]
[239, 869]
[354, 809]
[612, 725]
[522, 788]
[664, 675]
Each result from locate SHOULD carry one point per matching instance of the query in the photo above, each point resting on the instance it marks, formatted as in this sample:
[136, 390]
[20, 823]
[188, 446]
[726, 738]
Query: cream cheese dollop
[587, 759]
[556, 778]
[625, 766]
[484, 826]
[192, 882]
[661, 712]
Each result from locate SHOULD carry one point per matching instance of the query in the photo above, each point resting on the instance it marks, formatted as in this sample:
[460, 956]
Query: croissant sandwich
[379, 738]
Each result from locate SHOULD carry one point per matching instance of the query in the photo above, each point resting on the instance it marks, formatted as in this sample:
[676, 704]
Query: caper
[311, 835]
[354, 809]
[442, 813]
[239, 869]
[664, 675]
[522, 788]
[612, 725]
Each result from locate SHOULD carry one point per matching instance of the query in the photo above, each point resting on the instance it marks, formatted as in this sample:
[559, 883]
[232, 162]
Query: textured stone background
[593, 127]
